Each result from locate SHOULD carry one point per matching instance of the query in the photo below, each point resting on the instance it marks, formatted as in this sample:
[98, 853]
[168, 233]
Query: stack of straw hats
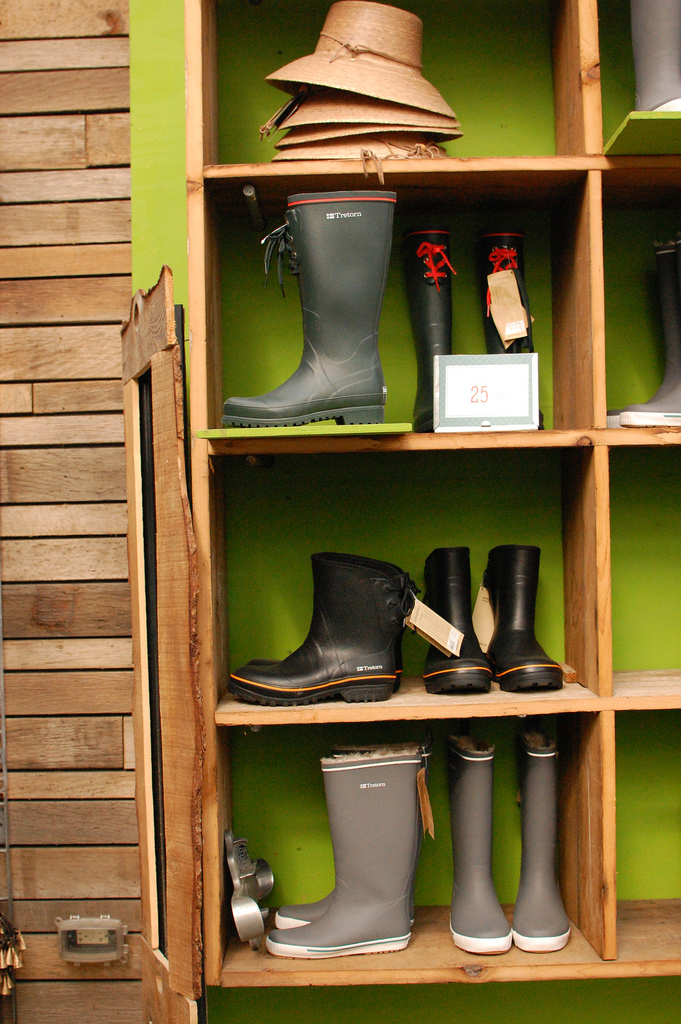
[361, 93]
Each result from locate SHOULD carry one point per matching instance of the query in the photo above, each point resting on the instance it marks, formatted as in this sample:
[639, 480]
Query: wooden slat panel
[45, 19]
[55, 353]
[181, 719]
[41, 143]
[15, 398]
[41, 431]
[42, 92]
[97, 785]
[88, 1002]
[151, 327]
[65, 300]
[68, 693]
[61, 520]
[65, 260]
[31, 916]
[52, 54]
[65, 186]
[42, 962]
[72, 474]
[78, 396]
[65, 609]
[161, 1003]
[64, 558]
[92, 653]
[73, 823]
[65, 223]
[107, 139]
[86, 872]
[35, 744]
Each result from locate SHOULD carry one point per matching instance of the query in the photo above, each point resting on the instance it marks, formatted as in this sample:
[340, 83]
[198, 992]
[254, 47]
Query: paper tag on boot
[506, 309]
[424, 801]
[483, 618]
[433, 628]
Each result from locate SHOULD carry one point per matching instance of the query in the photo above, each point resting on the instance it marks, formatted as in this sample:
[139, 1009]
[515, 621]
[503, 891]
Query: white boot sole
[543, 944]
[288, 922]
[473, 944]
[650, 419]
[324, 952]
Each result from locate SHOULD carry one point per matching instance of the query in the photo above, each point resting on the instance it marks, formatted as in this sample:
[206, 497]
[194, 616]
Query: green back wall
[491, 60]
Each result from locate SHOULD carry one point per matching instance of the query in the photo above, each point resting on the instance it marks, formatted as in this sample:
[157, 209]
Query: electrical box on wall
[92, 940]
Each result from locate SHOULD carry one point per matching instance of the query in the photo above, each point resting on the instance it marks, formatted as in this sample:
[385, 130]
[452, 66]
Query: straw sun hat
[371, 49]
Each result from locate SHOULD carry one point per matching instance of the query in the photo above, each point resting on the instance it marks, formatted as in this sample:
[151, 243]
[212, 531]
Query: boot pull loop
[497, 257]
[428, 251]
[280, 240]
[424, 803]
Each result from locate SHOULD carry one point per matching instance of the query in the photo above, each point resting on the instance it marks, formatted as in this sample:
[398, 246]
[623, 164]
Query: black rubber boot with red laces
[497, 251]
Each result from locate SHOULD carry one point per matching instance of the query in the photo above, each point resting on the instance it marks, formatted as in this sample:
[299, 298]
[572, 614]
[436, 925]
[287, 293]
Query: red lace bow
[429, 251]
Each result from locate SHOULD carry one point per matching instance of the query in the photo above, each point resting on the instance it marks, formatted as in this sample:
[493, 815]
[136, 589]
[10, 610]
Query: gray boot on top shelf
[540, 924]
[656, 38]
[664, 408]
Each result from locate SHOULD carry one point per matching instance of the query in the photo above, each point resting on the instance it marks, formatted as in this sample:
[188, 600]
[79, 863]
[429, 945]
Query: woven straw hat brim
[318, 133]
[334, 107]
[383, 146]
[365, 74]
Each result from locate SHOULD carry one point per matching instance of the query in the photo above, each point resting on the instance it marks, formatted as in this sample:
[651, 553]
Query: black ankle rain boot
[357, 620]
[427, 274]
[496, 251]
[517, 660]
[339, 246]
[448, 592]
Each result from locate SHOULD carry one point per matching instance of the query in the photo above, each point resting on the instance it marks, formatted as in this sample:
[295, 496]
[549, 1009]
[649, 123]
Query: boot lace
[429, 252]
[280, 241]
[406, 589]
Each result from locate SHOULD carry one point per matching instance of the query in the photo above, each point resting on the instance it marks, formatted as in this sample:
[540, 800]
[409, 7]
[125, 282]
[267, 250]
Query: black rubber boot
[540, 924]
[373, 804]
[517, 660]
[656, 38]
[357, 619]
[495, 251]
[448, 592]
[339, 247]
[427, 273]
[665, 405]
[477, 922]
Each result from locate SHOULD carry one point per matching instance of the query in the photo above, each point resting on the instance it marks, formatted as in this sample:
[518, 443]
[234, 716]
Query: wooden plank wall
[64, 289]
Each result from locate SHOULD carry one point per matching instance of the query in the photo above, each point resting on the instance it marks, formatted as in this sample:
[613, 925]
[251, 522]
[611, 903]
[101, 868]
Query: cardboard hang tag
[433, 628]
[424, 801]
[508, 312]
[483, 618]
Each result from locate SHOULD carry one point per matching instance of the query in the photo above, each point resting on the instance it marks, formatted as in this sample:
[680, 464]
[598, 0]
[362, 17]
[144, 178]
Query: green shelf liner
[307, 430]
[647, 133]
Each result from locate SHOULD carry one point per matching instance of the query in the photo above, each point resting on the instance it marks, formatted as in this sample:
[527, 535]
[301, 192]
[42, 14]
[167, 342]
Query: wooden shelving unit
[573, 187]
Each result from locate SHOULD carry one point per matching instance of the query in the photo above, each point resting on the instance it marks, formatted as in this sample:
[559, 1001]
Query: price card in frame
[497, 392]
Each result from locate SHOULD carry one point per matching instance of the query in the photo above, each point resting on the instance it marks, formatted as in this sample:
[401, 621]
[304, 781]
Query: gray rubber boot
[477, 922]
[297, 914]
[656, 36]
[540, 924]
[373, 806]
[339, 247]
[664, 408]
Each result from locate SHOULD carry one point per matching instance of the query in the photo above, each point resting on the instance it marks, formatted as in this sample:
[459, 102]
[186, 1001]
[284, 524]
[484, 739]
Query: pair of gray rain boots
[477, 922]
[664, 408]
[372, 797]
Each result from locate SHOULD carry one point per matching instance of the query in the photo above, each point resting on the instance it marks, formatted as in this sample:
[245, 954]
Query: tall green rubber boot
[339, 246]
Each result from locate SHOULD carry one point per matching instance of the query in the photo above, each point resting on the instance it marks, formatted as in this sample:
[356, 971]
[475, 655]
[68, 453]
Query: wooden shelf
[649, 942]
[473, 181]
[252, 442]
[633, 691]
